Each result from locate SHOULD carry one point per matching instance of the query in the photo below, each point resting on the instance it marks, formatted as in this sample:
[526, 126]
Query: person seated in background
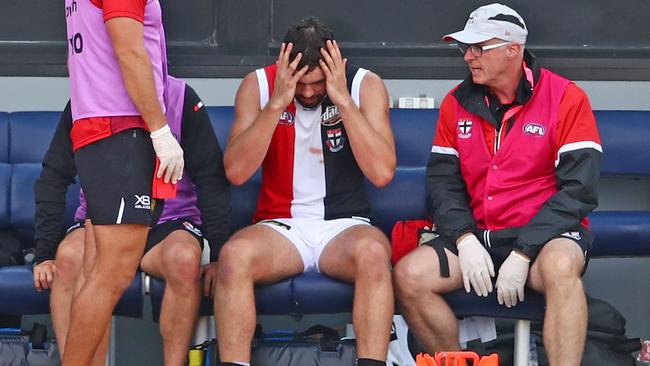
[200, 210]
[317, 127]
[516, 148]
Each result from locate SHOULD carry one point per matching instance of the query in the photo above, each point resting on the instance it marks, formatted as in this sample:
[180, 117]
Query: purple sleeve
[80, 214]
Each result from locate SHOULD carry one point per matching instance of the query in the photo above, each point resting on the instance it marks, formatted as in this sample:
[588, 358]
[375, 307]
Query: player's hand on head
[333, 66]
[286, 77]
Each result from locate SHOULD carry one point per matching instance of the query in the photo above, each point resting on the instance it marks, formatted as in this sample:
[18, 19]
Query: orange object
[491, 360]
[456, 359]
[424, 360]
[159, 188]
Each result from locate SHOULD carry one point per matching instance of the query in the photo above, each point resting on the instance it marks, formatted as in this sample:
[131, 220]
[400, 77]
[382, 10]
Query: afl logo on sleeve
[331, 116]
[287, 118]
[534, 129]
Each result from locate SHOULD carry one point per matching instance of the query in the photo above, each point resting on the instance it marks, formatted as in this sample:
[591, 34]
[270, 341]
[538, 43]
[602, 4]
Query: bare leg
[256, 254]
[418, 288]
[176, 259]
[89, 253]
[118, 252]
[361, 254]
[69, 260]
[556, 272]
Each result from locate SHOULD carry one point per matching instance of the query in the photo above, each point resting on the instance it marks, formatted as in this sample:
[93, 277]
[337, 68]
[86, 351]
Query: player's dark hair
[308, 37]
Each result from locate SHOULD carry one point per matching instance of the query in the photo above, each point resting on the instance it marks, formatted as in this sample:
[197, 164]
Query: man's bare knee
[182, 262]
[559, 273]
[372, 259]
[419, 272]
[69, 261]
[560, 263]
[235, 260]
[410, 280]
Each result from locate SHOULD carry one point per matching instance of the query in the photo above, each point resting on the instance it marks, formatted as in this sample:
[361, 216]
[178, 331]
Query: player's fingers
[294, 64]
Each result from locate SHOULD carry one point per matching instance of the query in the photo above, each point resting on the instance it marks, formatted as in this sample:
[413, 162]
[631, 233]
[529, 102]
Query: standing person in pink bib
[117, 67]
[512, 176]
[200, 210]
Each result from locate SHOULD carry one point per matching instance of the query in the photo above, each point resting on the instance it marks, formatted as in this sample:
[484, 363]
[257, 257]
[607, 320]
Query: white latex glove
[512, 279]
[475, 265]
[170, 154]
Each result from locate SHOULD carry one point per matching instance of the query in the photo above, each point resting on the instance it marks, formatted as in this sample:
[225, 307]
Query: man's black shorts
[75, 226]
[503, 245]
[159, 232]
[116, 175]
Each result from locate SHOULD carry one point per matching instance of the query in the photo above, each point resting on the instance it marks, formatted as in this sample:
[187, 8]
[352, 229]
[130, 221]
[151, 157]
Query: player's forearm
[374, 154]
[245, 153]
[138, 77]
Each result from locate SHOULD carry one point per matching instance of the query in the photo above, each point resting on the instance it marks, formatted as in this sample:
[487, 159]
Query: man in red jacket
[516, 150]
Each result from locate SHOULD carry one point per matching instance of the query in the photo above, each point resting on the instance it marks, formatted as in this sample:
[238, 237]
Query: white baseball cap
[491, 21]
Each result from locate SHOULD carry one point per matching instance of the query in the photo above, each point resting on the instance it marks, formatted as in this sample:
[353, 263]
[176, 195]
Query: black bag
[606, 342]
[318, 345]
[27, 348]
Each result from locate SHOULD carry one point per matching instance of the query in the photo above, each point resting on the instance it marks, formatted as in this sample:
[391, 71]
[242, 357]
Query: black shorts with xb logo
[116, 175]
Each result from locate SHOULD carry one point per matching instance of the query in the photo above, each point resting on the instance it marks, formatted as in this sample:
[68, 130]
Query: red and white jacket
[538, 167]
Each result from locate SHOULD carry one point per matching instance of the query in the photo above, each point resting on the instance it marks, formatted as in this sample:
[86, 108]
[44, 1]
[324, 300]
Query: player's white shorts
[311, 235]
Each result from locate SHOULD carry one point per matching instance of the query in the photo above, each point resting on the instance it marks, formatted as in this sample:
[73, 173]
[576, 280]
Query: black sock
[370, 362]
